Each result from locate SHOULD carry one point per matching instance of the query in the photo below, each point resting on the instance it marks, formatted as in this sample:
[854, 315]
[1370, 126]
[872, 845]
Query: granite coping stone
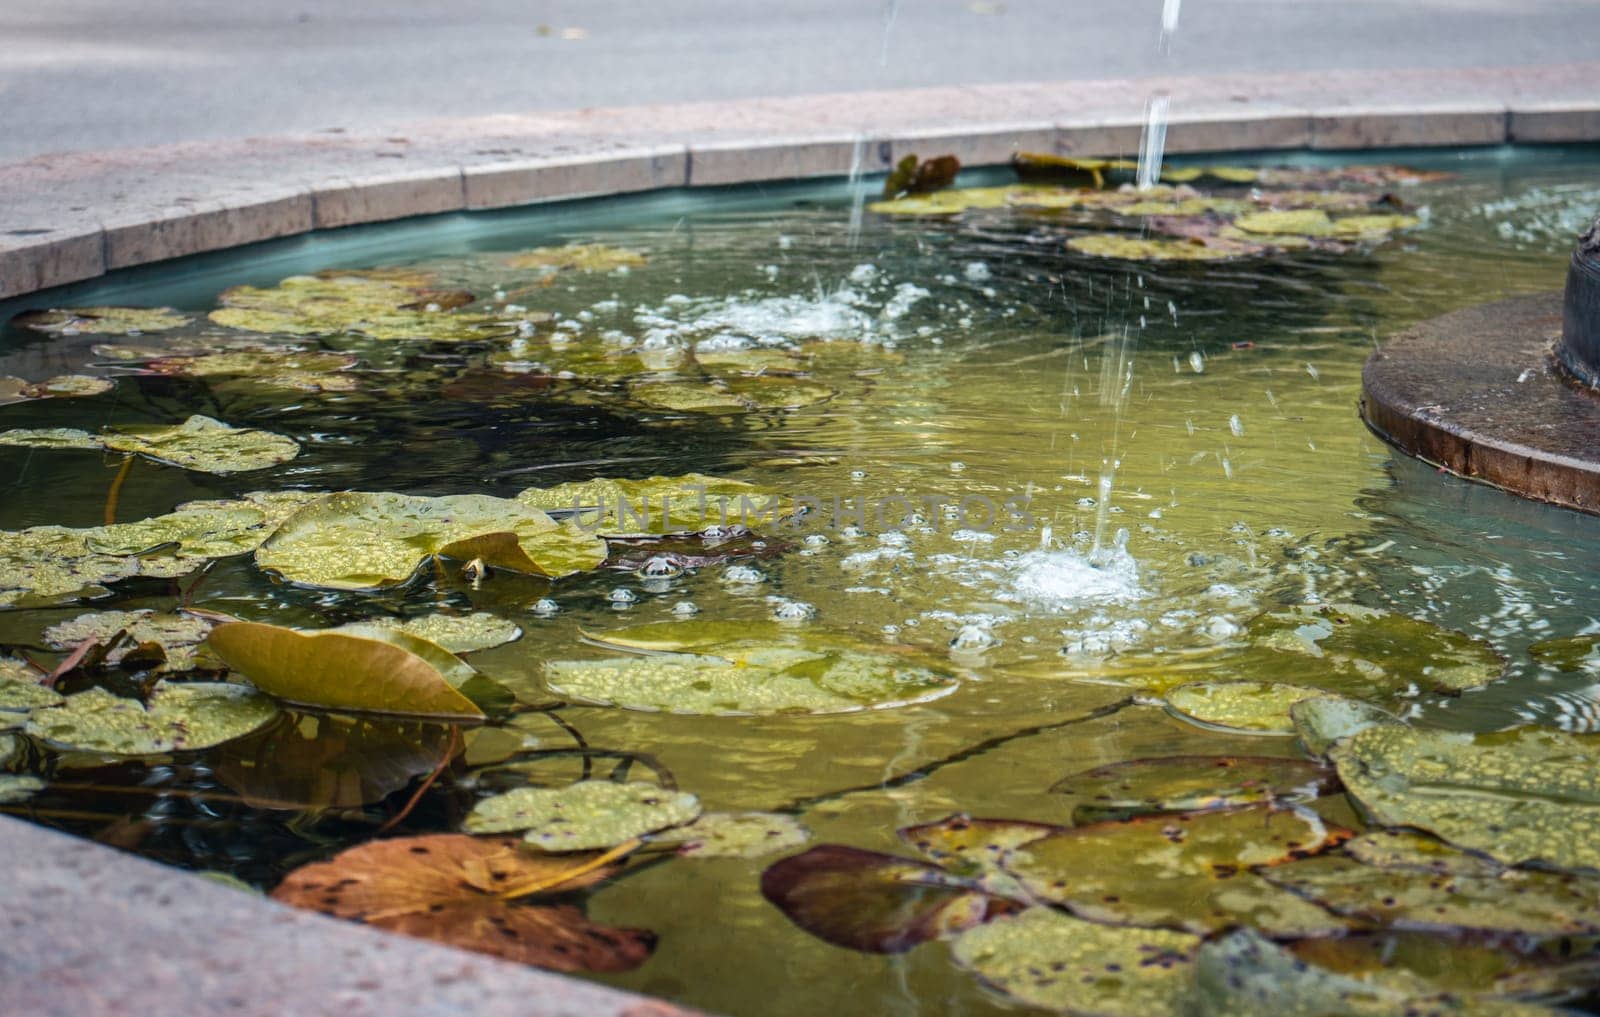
[154, 204]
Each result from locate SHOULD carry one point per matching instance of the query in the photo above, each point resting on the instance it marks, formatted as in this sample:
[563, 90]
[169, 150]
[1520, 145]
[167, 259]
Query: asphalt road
[78, 74]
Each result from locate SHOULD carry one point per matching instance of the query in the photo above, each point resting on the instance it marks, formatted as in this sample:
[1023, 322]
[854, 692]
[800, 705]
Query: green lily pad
[1253, 707]
[1462, 965]
[378, 305]
[1308, 222]
[686, 636]
[20, 690]
[187, 717]
[1323, 720]
[203, 444]
[689, 503]
[1571, 653]
[584, 816]
[196, 530]
[45, 565]
[50, 437]
[177, 635]
[1191, 784]
[1045, 959]
[804, 675]
[975, 849]
[874, 902]
[456, 633]
[295, 370]
[735, 835]
[102, 320]
[361, 541]
[1520, 796]
[580, 257]
[1123, 247]
[15, 390]
[1444, 890]
[1357, 649]
[362, 668]
[1186, 870]
[951, 202]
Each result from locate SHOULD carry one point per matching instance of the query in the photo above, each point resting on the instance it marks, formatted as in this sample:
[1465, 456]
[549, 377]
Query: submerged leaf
[873, 902]
[370, 670]
[1323, 720]
[588, 814]
[580, 257]
[1357, 649]
[361, 541]
[186, 717]
[690, 503]
[102, 320]
[976, 848]
[1187, 870]
[806, 674]
[1191, 783]
[1520, 796]
[1130, 248]
[735, 835]
[1043, 958]
[1253, 707]
[447, 888]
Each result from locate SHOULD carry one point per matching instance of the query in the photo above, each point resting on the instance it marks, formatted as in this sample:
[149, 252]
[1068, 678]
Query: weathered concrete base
[88, 931]
[1477, 392]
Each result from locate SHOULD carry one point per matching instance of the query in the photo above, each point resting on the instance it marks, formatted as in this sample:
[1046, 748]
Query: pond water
[1061, 485]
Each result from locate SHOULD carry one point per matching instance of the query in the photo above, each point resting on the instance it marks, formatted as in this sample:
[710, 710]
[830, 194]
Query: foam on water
[1058, 580]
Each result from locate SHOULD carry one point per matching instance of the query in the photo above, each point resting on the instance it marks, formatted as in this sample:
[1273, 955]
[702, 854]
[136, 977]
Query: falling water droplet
[1153, 141]
[1197, 363]
[1236, 425]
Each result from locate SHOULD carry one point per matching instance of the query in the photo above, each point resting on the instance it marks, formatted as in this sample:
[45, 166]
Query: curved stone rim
[1477, 392]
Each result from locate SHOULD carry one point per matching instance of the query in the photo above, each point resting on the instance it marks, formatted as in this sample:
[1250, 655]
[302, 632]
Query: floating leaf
[585, 815]
[1130, 248]
[1448, 891]
[20, 690]
[807, 674]
[329, 761]
[1322, 720]
[1190, 784]
[1188, 870]
[371, 669]
[874, 902]
[203, 444]
[690, 503]
[456, 633]
[360, 541]
[580, 257]
[976, 848]
[102, 320]
[186, 717]
[15, 390]
[913, 176]
[735, 835]
[686, 636]
[952, 202]
[1458, 964]
[378, 305]
[1254, 707]
[296, 370]
[1572, 653]
[48, 564]
[1048, 166]
[1043, 958]
[1519, 796]
[176, 634]
[448, 888]
[50, 437]
[18, 787]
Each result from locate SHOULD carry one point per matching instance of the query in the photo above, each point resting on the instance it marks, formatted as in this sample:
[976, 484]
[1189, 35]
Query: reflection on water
[1028, 464]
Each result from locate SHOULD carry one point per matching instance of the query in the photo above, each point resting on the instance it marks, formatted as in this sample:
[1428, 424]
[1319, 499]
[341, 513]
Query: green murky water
[1183, 440]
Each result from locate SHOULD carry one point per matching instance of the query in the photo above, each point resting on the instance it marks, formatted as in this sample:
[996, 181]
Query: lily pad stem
[115, 493]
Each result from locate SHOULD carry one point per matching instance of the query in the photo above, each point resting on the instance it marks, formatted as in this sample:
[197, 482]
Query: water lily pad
[195, 530]
[377, 305]
[1309, 222]
[1570, 653]
[20, 690]
[50, 437]
[102, 320]
[203, 444]
[45, 565]
[1045, 959]
[186, 717]
[15, 390]
[1357, 649]
[361, 541]
[975, 849]
[952, 202]
[690, 503]
[295, 370]
[1125, 247]
[1253, 707]
[580, 257]
[1321, 721]
[18, 787]
[1188, 870]
[1519, 796]
[686, 636]
[457, 633]
[799, 676]
[1448, 891]
[588, 814]
[1190, 784]
[367, 669]
[874, 902]
[735, 835]
[1462, 965]
[450, 889]
[178, 635]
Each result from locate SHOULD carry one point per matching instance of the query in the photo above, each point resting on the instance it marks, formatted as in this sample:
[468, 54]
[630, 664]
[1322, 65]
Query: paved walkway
[86, 74]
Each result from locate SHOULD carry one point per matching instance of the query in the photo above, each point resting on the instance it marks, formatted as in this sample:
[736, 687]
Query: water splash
[1059, 580]
[1169, 23]
[1153, 140]
[858, 193]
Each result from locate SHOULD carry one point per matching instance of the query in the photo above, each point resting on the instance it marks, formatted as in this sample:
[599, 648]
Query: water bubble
[743, 575]
[622, 595]
[957, 466]
[978, 271]
[973, 639]
[893, 538]
[891, 630]
[815, 539]
[546, 607]
[858, 475]
[685, 608]
[659, 567]
[1236, 425]
[794, 611]
[852, 532]
[1197, 363]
